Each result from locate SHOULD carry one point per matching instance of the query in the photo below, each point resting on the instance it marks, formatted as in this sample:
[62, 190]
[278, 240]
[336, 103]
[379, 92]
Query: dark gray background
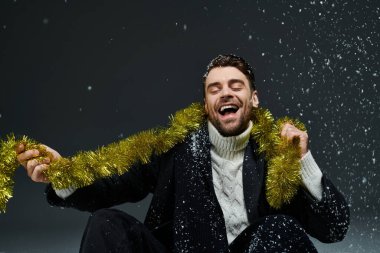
[78, 74]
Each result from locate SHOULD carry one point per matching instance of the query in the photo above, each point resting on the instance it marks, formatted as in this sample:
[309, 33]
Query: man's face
[229, 100]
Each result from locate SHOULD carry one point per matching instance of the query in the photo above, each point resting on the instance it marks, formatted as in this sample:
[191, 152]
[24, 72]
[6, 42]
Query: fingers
[35, 169]
[290, 132]
[31, 164]
[293, 134]
[38, 173]
[287, 132]
[34, 166]
[20, 148]
[27, 155]
[23, 156]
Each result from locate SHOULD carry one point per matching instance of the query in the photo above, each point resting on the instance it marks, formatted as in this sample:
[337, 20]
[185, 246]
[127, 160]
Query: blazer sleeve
[328, 219]
[132, 186]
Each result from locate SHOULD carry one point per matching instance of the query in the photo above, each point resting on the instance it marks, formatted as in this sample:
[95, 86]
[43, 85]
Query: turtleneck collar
[222, 144]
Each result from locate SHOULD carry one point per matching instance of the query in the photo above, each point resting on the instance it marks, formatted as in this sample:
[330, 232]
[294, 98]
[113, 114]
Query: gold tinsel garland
[84, 168]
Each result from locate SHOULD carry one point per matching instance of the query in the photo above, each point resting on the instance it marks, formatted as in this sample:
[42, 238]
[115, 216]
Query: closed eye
[236, 84]
[213, 88]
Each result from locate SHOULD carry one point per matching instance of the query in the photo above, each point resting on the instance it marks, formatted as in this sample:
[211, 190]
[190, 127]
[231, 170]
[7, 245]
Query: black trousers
[112, 231]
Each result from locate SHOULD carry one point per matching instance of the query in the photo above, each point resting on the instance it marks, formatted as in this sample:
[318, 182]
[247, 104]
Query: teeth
[227, 107]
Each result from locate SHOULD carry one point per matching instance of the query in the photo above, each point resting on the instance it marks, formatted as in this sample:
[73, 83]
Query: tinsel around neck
[82, 169]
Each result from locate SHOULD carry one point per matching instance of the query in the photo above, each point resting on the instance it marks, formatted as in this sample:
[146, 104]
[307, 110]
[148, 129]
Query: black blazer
[185, 214]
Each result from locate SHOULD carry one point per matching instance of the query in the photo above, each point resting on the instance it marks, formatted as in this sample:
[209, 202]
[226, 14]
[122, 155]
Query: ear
[255, 99]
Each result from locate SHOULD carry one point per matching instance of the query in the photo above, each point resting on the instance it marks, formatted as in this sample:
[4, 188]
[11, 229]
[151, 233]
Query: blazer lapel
[202, 155]
[253, 178]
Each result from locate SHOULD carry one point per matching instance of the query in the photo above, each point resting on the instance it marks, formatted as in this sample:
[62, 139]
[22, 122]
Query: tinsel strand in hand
[84, 168]
[9, 164]
[283, 176]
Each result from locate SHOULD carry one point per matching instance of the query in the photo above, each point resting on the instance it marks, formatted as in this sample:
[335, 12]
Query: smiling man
[209, 190]
[229, 98]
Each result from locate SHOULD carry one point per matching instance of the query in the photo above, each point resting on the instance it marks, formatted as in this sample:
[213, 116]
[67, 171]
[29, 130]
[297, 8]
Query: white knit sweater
[227, 155]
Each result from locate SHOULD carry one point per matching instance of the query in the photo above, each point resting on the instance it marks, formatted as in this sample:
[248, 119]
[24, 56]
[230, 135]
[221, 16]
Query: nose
[226, 92]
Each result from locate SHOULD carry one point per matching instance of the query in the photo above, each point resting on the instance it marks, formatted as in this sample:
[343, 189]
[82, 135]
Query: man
[208, 191]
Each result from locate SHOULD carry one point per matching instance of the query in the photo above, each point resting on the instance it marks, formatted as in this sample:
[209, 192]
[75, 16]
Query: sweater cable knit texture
[227, 155]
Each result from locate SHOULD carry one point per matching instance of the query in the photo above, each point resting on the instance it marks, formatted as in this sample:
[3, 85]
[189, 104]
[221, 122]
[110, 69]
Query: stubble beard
[226, 131]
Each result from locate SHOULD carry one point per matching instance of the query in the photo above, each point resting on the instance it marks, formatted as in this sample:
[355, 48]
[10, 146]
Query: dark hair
[230, 60]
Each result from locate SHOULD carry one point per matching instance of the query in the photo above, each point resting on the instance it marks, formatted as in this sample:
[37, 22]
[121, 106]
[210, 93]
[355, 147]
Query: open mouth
[228, 109]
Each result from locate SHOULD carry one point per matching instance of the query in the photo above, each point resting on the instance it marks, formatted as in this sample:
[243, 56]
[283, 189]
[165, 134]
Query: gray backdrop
[78, 74]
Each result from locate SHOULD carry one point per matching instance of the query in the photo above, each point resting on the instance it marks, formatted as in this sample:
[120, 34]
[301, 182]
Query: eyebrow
[231, 81]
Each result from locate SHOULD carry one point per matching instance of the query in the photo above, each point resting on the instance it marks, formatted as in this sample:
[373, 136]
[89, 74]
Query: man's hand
[33, 166]
[290, 132]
